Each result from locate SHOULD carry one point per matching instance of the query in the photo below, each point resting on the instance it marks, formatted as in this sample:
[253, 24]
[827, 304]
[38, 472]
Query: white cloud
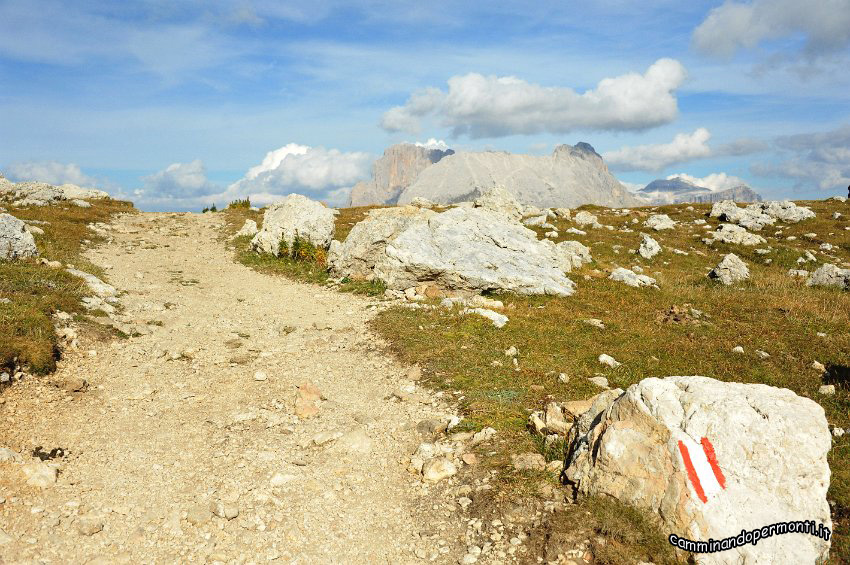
[179, 180]
[326, 174]
[433, 143]
[733, 26]
[631, 186]
[492, 106]
[820, 160]
[684, 147]
[51, 172]
[714, 181]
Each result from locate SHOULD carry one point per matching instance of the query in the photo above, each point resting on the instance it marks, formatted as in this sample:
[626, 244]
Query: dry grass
[773, 313]
[37, 291]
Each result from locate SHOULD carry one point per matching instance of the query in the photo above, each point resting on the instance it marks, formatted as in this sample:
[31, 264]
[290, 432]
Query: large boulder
[830, 275]
[730, 233]
[462, 249]
[711, 459]
[760, 214]
[16, 242]
[660, 222]
[730, 270]
[295, 217]
[649, 248]
[367, 241]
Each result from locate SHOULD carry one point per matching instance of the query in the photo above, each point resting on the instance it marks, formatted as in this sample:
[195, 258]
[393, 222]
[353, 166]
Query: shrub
[246, 203]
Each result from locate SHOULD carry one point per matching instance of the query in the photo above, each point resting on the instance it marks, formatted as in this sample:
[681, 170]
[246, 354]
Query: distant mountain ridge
[677, 190]
[569, 177]
[393, 172]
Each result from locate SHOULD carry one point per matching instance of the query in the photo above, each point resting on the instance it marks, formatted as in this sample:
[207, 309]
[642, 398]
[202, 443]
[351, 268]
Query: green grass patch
[37, 291]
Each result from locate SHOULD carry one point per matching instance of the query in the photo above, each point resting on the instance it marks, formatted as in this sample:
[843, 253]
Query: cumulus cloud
[490, 106]
[433, 144]
[180, 180]
[326, 174]
[654, 157]
[684, 147]
[51, 172]
[820, 160]
[733, 26]
[714, 181]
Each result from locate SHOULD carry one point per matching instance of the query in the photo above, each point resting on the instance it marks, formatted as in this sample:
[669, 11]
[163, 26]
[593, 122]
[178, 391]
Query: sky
[177, 105]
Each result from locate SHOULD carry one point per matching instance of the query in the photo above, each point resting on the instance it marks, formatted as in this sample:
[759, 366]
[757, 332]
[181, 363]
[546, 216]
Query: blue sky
[176, 105]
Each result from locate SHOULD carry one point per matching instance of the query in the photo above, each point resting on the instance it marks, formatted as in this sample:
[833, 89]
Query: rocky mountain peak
[395, 171]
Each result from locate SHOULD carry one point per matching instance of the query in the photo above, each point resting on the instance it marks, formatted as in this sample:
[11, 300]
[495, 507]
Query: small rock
[414, 373]
[198, 514]
[599, 381]
[596, 323]
[511, 351]
[762, 354]
[818, 366]
[89, 525]
[260, 376]
[737, 349]
[827, 390]
[528, 461]
[469, 458]
[225, 510]
[39, 474]
[609, 361]
[437, 469]
[563, 378]
[837, 432]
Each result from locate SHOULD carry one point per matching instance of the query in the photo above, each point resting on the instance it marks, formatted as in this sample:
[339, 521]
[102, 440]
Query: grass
[37, 291]
[772, 312]
[307, 264]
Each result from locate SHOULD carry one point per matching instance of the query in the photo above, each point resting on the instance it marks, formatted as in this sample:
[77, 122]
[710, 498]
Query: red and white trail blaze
[702, 468]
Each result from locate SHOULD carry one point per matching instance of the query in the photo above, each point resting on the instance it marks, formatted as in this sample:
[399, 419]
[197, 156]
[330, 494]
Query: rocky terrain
[502, 390]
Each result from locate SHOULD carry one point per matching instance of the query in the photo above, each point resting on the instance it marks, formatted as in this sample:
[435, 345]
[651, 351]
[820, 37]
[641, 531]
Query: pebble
[437, 469]
[599, 381]
[198, 514]
[827, 390]
[837, 432]
[260, 376]
[89, 525]
[737, 349]
[609, 361]
[818, 366]
[762, 354]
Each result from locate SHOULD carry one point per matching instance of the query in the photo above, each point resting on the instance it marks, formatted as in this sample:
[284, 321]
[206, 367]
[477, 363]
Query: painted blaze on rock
[710, 459]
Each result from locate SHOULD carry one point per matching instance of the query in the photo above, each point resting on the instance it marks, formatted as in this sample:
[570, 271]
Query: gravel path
[176, 423]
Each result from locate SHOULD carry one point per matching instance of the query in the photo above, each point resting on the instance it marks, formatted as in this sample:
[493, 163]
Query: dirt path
[156, 439]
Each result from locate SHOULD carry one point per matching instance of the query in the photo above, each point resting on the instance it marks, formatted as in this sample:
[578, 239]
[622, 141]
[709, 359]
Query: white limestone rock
[498, 199]
[770, 448]
[474, 250]
[629, 277]
[101, 289]
[660, 222]
[649, 248]
[830, 275]
[572, 255]
[499, 320]
[248, 228]
[295, 217]
[730, 270]
[357, 256]
[585, 218]
[16, 241]
[730, 233]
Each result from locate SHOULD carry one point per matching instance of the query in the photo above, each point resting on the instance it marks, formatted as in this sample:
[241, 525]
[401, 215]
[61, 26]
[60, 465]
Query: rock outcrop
[294, 217]
[570, 177]
[16, 242]
[756, 216]
[711, 459]
[462, 249]
[43, 194]
[736, 235]
[394, 172]
[730, 270]
[649, 248]
[830, 275]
